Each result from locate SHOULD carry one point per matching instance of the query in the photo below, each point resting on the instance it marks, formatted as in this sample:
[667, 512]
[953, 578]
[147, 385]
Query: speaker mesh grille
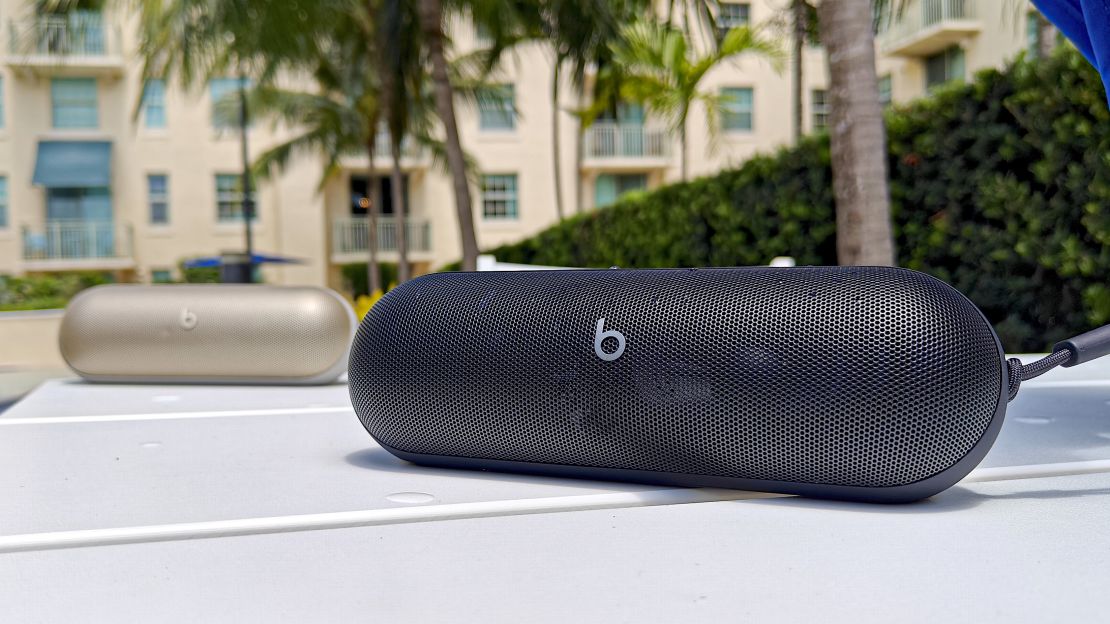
[849, 376]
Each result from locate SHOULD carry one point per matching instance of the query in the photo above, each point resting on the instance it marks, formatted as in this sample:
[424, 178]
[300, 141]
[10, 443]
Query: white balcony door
[79, 222]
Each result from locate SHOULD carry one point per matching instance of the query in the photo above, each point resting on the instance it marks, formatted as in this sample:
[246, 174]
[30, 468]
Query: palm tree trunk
[397, 182]
[578, 132]
[799, 10]
[857, 138]
[248, 197]
[682, 146]
[556, 153]
[373, 274]
[431, 23]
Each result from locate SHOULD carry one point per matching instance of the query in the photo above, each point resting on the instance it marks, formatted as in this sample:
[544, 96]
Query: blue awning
[215, 261]
[73, 164]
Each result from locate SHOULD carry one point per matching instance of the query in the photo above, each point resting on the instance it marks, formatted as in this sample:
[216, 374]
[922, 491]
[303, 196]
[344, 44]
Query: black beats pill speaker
[861, 383]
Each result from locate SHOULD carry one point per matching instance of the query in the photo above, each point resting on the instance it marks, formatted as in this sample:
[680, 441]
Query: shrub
[354, 277]
[998, 187]
[199, 275]
[44, 292]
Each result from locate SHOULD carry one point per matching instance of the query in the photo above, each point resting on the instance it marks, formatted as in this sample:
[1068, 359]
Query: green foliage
[354, 277]
[199, 275]
[654, 64]
[998, 187]
[44, 292]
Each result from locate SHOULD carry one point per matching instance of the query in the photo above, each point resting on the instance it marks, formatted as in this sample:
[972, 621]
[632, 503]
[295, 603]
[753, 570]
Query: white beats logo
[600, 335]
[187, 320]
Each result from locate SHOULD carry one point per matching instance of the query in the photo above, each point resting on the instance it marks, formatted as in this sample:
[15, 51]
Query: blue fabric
[215, 261]
[73, 164]
[1087, 24]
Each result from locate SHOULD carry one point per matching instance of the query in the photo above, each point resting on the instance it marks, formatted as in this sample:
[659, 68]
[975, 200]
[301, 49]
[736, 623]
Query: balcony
[413, 155]
[926, 27]
[615, 146]
[64, 245]
[79, 43]
[409, 148]
[350, 239]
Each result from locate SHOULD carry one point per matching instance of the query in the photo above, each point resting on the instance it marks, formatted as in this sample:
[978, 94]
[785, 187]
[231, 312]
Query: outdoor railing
[76, 240]
[383, 150]
[917, 15]
[82, 33]
[351, 234]
[934, 11]
[624, 140]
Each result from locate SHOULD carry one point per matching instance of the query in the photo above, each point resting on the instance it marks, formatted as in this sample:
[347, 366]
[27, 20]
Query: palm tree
[402, 75]
[196, 43]
[797, 44]
[577, 44]
[338, 119]
[431, 25]
[857, 136]
[658, 68]
[178, 39]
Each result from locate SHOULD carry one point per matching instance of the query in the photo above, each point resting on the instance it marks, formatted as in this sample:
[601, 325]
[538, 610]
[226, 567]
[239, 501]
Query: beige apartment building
[92, 180]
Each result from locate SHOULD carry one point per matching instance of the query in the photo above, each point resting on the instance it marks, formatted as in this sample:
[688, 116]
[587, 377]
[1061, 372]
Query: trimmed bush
[1000, 187]
[354, 277]
[199, 275]
[45, 292]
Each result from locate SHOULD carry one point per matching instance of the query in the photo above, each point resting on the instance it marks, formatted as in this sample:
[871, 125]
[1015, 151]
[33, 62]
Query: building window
[944, 66]
[737, 109]
[496, 108]
[3, 202]
[608, 188]
[886, 93]
[73, 102]
[499, 196]
[154, 104]
[158, 198]
[225, 101]
[733, 15]
[229, 198]
[819, 100]
[161, 276]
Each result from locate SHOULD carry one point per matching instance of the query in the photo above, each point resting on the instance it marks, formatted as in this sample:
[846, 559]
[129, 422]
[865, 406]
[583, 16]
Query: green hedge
[199, 275]
[354, 277]
[1000, 187]
[44, 292]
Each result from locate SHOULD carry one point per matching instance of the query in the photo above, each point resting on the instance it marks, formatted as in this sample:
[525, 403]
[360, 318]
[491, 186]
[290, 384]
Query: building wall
[997, 34]
[296, 217]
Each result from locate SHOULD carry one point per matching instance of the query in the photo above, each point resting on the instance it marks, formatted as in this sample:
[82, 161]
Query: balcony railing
[350, 235]
[623, 140]
[925, 26]
[79, 39]
[382, 149]
[64, 240]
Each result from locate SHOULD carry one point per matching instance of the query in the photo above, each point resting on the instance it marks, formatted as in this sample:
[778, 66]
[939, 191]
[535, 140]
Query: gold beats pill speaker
[207, 333]
[876, 384]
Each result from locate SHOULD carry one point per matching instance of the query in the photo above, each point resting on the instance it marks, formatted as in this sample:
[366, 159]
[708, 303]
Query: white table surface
[191, 503]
